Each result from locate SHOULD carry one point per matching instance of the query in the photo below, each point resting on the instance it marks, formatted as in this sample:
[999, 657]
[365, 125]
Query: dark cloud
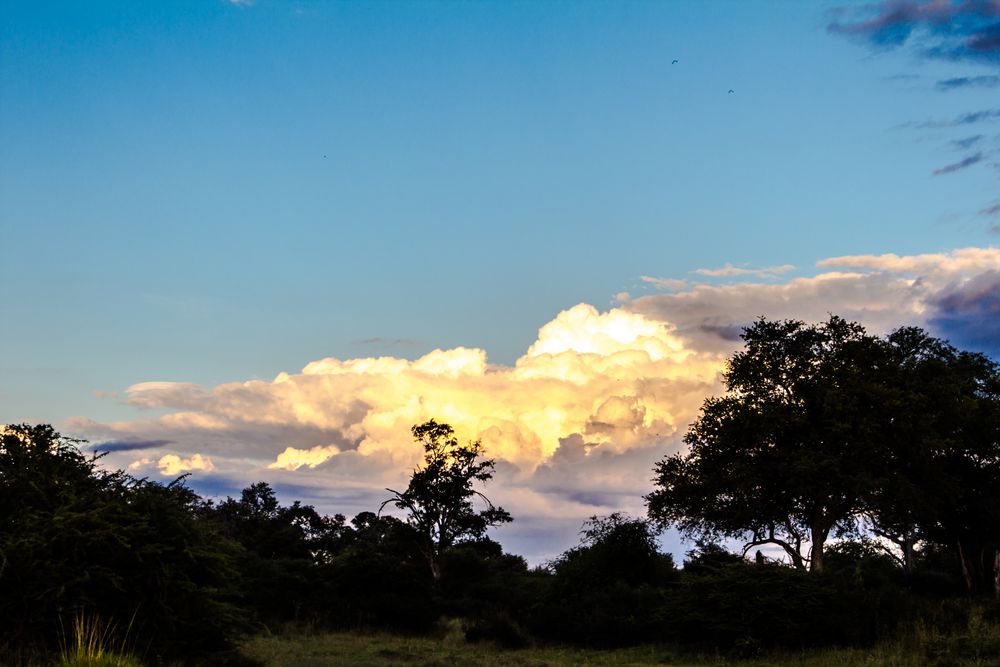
[728, 332]
[991, 210]
[964, 30]
[985, 81]
[961, 164]
[129, 445]
[966, 143]
[969, 314]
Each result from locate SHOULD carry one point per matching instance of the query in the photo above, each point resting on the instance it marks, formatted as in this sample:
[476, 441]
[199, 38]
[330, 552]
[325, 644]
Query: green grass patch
[324, 650]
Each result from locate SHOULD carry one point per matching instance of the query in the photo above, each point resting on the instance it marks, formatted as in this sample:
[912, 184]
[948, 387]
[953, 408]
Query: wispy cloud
[729, 271]
[965, 143]
[673, 284]
[964, 30]
[984, 81]
[970, 118]
[991, 210]
[961, 164]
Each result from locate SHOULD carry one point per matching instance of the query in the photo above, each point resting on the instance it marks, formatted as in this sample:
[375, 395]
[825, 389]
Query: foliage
[438, 499]
[379, 579]
[76, 538]
[611, 589]
[826, 431]
[285, 553]
[786, 457]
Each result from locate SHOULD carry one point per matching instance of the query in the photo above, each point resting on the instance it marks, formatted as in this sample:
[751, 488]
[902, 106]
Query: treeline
[830, 444]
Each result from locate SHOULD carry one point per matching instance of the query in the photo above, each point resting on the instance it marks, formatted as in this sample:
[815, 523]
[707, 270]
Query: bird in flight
[674, 62]
[731, 91]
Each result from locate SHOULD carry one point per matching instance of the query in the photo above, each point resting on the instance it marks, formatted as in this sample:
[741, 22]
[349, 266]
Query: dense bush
[609, 591]
[75, 538]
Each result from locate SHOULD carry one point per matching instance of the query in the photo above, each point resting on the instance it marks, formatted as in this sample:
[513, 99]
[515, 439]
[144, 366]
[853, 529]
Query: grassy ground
[323, 650]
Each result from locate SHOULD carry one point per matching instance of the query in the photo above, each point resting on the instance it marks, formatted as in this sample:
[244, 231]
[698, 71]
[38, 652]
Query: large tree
[439, 499]
[786, 457]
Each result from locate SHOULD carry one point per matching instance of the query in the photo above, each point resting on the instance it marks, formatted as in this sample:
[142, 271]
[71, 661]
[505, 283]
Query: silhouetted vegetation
[873, 463]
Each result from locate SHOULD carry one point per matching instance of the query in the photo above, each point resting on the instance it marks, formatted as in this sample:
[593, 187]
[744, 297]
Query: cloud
[969, 118]
[672, 284]
[982, 81]
[962, 30]
[293, 458]
[129, 445]
[171, 465]
[575, 424]
[991, 210]
[969, 313]
[961, 164]
[729, 270]
[967, 142]
[963, 261]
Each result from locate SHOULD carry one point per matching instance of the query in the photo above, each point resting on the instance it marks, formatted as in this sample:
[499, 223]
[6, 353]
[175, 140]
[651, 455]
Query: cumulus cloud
[171, 465]
[575, 424]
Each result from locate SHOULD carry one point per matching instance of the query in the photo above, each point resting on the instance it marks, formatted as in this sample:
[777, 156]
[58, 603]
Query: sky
[259, 240]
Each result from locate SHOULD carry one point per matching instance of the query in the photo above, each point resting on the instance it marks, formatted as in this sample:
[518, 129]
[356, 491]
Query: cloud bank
[575, 424]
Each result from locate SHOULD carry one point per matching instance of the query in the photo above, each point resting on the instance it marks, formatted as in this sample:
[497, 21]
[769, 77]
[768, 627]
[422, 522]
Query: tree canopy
[785, 457]
[827, 430]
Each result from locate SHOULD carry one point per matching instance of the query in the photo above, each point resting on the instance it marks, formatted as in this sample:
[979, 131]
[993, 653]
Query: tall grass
[93, 644]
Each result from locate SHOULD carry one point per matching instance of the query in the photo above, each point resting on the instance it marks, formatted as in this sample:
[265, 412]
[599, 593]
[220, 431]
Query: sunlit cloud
[574, 424]
[293, 458]
[171, 465]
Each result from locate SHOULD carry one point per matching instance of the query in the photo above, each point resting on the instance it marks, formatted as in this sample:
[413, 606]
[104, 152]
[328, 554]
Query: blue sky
[210, 192]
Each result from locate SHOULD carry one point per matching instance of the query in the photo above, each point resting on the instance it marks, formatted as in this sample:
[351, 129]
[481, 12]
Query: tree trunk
[816, 559]
[967, 568]
[996, 574]
[908, 553]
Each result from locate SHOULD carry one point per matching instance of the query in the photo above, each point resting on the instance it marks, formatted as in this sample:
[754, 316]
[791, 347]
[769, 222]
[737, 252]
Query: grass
[91, 645]
[978, 646]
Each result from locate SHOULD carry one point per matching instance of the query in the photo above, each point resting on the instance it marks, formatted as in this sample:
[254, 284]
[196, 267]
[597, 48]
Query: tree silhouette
[439, 498]
[787, 456]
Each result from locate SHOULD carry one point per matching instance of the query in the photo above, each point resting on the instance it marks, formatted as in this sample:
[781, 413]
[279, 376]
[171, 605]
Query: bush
[75, 538]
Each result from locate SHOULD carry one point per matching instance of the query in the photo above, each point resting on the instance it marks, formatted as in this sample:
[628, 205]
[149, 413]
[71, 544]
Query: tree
[438, 500]
[786, 457]
[965, 514]
[76, 538]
